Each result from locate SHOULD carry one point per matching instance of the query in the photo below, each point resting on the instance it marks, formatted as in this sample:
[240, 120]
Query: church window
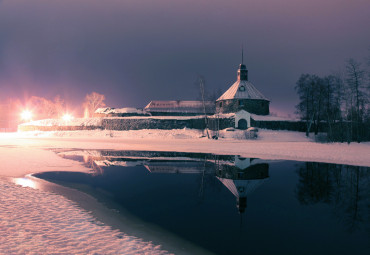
[241, 103]
[220, 104]
[242, 88]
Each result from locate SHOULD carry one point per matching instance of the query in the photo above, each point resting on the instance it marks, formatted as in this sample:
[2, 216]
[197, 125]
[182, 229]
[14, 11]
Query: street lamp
[67, 117]
[26, 115]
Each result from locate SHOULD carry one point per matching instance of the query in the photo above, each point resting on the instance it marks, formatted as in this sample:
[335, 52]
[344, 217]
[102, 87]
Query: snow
[249, 92]
[43, 222]
[270, 144]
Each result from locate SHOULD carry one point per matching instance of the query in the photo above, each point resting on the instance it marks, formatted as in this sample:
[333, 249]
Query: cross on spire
[242, 71]
[242, 55]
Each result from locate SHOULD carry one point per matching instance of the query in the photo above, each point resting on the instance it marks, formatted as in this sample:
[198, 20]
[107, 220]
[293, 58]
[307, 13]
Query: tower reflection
[242, 178]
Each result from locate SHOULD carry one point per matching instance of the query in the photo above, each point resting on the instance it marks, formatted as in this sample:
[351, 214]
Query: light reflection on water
[234, 205]
[25, 182]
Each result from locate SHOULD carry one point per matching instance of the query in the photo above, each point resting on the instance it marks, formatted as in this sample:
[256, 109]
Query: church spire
[242, 71]
[242, 55]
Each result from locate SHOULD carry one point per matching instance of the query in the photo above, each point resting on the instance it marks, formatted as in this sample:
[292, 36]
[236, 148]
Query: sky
[135, 51]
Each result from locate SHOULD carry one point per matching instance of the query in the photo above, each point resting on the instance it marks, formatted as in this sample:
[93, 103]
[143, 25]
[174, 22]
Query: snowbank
[270, 144]
[42, 222]
[38, 222]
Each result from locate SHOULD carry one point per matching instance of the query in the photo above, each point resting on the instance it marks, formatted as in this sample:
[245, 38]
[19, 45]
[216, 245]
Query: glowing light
[67, 117]
[26, 115]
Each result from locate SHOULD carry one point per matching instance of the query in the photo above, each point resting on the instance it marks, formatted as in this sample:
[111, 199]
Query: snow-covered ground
[40, 222]
[270, 144]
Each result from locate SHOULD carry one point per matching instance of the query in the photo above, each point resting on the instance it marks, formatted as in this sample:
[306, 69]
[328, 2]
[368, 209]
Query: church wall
[256, 106]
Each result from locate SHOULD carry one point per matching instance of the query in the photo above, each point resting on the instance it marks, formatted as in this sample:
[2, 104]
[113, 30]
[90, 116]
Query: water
[233, 205]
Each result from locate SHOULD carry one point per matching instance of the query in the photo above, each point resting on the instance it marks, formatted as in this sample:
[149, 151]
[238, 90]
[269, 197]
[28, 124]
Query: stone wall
[280, 125]
[141, 123]
[219, 124]
[149, 123]
[256, 106]
[152, 123]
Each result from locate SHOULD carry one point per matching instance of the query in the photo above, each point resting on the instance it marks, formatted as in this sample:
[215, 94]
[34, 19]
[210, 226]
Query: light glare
[26, 115]
[25, 182]
[67, 117]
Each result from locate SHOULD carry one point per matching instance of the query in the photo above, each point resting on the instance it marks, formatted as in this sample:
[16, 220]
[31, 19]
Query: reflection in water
[241, 176]
[345, 188]
[25, 182]
[193, 196]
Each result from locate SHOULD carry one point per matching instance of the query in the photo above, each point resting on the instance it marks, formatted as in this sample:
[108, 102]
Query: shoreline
[273, 145]
[22, 154]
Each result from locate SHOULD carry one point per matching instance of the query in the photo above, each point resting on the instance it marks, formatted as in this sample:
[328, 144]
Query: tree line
[337, 104]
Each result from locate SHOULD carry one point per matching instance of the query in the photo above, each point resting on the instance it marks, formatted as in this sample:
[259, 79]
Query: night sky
[140, 50]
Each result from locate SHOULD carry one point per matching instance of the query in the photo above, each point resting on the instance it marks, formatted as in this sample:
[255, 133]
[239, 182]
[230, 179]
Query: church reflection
[230, 204]
[241, 176]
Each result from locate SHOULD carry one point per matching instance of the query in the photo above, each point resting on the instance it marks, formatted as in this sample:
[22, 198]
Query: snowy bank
[38, 222]
[42, 222]
[285, 145]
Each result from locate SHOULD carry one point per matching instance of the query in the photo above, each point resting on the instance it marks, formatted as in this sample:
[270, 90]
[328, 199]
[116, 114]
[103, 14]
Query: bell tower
[242, 71]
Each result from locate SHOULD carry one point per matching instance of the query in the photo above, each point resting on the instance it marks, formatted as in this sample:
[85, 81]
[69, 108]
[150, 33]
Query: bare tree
[311, 93]
[341, 99]
[201, 82]
[44, 108]
[355, 83]
[331, 107]
[93, 101]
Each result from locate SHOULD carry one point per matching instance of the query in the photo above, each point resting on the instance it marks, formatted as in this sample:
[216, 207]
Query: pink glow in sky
[137, 51]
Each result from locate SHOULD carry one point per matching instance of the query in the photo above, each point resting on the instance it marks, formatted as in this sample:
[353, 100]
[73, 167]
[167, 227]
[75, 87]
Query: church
[242, 95]
[242, 106]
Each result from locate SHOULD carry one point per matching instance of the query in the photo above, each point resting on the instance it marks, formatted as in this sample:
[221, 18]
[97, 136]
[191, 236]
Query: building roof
[241, 188]
[242, 89]
[179, 106]
[109, 110]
